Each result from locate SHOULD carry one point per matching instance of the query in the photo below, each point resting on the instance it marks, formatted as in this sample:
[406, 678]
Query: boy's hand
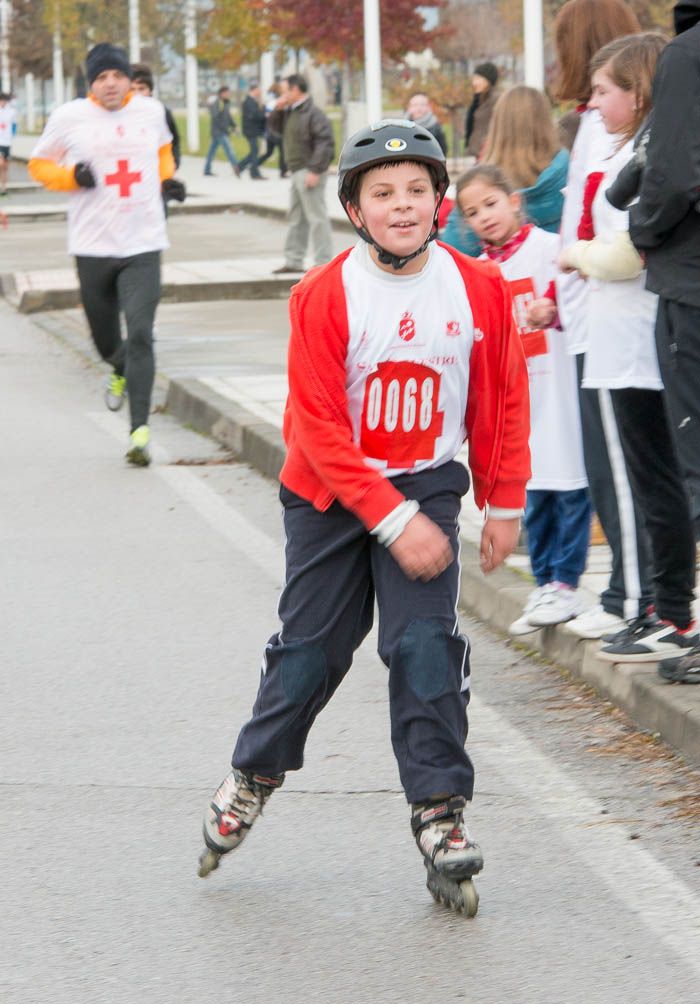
[563, 262]
[422, 551]
[541, 313]
[499, 538]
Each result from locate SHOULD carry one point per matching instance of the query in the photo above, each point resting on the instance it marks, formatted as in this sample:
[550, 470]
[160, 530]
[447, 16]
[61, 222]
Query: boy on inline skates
[400, 349]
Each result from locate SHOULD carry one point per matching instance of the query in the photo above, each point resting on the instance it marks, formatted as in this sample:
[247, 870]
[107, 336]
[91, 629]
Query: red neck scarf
[507, 250]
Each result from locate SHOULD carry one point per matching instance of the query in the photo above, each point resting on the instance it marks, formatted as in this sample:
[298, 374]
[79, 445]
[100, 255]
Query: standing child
[7, 126]
[621, 357]
[558, 515]
[400, 348]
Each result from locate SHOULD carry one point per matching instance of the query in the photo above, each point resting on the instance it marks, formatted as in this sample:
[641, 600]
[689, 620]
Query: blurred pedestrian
[142, 83]
[7, 124]
[273, 139]
[253, 126]
[420, 110]
[484, 80]
[307, 139]
[222, 125]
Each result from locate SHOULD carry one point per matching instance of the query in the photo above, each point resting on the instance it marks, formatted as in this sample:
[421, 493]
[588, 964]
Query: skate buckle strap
[424, 814]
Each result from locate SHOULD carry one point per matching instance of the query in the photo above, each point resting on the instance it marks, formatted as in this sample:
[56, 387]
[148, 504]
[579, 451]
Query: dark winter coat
[313, 136]
[665, 223]
[254, 118]
[478, 120]
[222, 121]
[175, 134]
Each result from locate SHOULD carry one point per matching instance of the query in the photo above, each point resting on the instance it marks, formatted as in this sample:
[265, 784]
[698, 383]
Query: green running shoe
[138, 453]
[115, 392]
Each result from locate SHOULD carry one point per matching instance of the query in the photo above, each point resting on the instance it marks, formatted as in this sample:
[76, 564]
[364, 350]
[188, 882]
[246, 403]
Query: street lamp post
[5, 81]
[533, 43]
[134, 32]
[373, 60]
[191, 87]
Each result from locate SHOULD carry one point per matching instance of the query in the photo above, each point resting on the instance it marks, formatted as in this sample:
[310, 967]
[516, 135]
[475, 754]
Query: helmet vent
[366, 142]
[420, 136]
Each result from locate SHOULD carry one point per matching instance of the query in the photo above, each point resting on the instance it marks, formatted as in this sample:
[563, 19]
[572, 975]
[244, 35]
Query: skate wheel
[208, 862]
[470, 898]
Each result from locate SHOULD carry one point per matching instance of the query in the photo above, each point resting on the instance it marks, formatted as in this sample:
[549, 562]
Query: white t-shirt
[591, 151]
[7, 119]
[410, 339]
[124, 214]
[621, 349]
[556, 446]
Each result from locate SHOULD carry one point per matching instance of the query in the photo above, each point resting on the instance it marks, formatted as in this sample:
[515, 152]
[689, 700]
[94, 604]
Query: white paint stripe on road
[646, 886]
[223, 518]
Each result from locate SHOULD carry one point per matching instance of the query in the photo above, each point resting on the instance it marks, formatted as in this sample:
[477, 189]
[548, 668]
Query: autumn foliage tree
[235, 32]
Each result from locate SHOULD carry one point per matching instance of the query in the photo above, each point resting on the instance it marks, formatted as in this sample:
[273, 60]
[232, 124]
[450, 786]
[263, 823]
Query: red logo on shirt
[120, 130]
[407, 327]
[453, 329]
[124, 178]
[400, 419]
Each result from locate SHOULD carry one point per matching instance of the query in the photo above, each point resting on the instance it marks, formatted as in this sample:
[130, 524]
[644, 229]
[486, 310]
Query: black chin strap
[387, 258]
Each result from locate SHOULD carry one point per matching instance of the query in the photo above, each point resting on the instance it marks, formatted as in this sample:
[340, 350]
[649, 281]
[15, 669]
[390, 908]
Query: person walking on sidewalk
[372, 491]
[7, 123]
[254, 123]
[112, 152]
[307, 139]
[142, 83]
[222, 125]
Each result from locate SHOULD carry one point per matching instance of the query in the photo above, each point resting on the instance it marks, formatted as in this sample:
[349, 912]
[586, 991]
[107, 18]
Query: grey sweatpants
[308, 217]
[108, 287]
[334, 570]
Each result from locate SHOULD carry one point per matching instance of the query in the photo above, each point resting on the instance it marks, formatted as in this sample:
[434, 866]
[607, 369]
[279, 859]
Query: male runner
[112, 151]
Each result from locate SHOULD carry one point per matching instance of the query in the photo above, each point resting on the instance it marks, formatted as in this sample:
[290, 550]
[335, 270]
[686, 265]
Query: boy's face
[141, 87]
[396, 206]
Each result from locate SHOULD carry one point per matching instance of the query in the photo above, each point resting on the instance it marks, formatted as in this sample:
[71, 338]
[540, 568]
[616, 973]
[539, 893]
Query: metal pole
[373, 61]
[191, 85]
[29, 99]
[134, 32]
[534, 44]
[58, 89]
[5, 81]
[267, 71]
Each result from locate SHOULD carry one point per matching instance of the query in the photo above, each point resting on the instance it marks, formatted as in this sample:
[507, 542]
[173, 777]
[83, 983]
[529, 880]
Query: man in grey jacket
[308, 144]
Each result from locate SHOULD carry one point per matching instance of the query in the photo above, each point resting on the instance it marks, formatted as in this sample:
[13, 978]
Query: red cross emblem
[124, 178]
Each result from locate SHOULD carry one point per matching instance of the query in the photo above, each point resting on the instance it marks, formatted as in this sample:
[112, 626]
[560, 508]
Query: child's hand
[563, 262]
[422, 551]
[499, 538]
[541, 313]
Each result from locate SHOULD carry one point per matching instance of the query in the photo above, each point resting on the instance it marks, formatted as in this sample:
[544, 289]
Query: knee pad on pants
[302, 671]
[428, 654]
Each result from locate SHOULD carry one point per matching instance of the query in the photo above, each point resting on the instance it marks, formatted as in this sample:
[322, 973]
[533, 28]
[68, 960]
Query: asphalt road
[135, 607]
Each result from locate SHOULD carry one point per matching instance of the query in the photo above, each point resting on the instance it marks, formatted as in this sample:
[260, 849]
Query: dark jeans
[131, 286]
[678, 348]
[216, 142]
[558, 528]
[658, 487]
[273, 143]
[334, 569]
[251, 158]
[629, 588]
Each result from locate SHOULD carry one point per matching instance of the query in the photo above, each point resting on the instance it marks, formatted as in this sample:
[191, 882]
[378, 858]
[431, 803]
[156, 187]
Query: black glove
[625, 187]
[173, 190]
[83, 175]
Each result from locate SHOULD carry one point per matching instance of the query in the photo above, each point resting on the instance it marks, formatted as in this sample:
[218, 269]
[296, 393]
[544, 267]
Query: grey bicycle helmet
[381, 143]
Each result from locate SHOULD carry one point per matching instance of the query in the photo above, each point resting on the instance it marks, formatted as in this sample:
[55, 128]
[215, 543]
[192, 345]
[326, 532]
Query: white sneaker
[522, 625]
[594, 623]
[557, 604]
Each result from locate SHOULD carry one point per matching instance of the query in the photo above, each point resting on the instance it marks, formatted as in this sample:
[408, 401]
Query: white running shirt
[123, 215]
[407, 364]
[7, 118]
[621, 347]
[556, 447]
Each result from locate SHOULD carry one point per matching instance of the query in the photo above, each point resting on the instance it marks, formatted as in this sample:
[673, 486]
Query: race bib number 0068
[400, 419]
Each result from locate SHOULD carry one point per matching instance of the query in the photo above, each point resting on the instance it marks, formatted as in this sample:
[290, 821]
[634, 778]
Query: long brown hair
[580, 29]
[630, 62]
[521, 139]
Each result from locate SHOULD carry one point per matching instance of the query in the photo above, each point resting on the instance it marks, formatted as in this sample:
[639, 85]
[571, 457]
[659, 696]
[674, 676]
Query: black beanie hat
[488, 71]
[105, 56]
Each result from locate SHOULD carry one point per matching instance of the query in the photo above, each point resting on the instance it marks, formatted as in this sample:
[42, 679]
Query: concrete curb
[672, 712]
[33, 301]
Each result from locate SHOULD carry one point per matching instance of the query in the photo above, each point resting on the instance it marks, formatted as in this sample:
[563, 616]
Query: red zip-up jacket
[323, 462]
